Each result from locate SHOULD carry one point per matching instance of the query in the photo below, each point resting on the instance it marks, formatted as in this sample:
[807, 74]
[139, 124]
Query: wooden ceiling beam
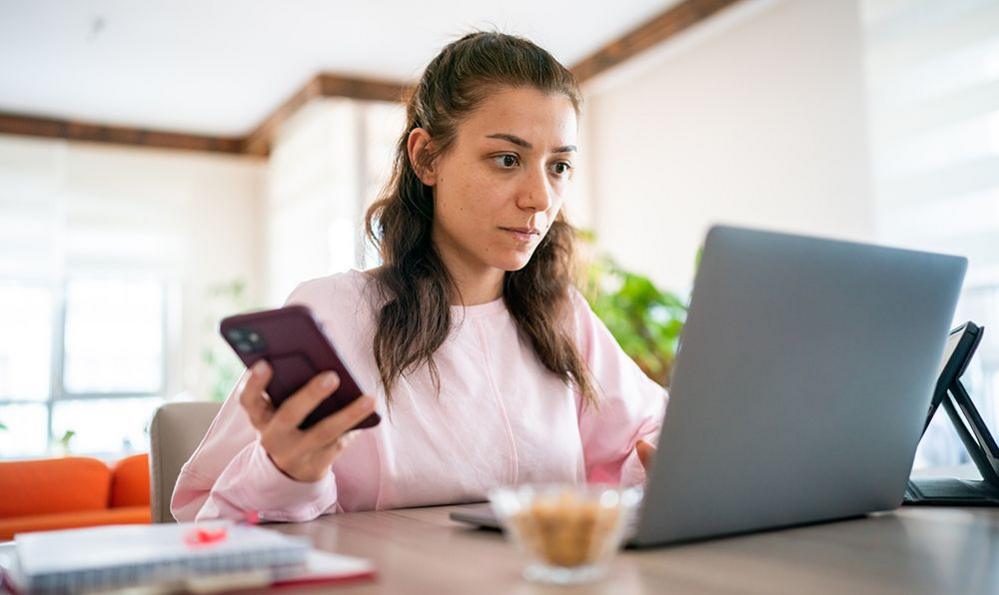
[121, 135]
[649, 34]
[258, 142]
[321, 85]
[332, 85]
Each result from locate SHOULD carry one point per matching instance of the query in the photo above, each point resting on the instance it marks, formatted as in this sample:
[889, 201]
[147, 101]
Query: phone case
[294, 344]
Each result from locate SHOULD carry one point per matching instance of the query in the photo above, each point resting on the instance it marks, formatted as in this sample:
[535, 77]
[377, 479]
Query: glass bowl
[569, 533]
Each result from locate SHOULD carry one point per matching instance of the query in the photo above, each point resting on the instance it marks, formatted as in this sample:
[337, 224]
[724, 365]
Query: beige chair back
[176, 431]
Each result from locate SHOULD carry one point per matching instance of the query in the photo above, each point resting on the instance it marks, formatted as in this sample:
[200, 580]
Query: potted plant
[222, 364]
[63, 446]
[644, 319]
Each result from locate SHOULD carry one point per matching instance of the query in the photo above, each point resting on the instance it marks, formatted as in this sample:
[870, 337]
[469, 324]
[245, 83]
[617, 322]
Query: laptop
[800, 387]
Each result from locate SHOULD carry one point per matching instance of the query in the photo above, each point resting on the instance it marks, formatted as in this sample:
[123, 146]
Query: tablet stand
[978, 441]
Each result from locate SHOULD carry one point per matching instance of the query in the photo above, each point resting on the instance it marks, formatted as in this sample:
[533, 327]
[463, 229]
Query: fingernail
[258, 368]
[367, 403]
[329, 379]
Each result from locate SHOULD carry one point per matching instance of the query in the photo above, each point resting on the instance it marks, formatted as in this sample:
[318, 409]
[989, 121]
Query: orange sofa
[69, 492]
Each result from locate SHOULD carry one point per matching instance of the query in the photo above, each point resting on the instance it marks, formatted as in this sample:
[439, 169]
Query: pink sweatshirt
[501, 418]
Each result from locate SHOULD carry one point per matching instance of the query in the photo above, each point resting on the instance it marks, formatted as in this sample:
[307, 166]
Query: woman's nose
[535, 193]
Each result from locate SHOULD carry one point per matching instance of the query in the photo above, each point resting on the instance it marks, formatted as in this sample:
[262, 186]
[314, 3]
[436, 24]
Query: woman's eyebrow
[510, 138]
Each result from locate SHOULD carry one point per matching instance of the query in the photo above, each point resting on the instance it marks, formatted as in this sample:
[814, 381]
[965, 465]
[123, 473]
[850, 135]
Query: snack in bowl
[569, 532]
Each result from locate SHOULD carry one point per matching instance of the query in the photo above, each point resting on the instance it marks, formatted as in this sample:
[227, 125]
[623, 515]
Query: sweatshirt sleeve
[630, 406]
[230, 475]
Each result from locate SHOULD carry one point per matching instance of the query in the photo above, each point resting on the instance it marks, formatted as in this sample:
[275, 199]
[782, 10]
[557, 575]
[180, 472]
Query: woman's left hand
[645, 453]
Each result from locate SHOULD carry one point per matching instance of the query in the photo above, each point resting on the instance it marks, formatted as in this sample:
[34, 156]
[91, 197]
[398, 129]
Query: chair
[175, 432]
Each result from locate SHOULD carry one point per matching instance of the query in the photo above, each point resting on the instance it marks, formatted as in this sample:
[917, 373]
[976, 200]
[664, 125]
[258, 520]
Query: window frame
[57, 393]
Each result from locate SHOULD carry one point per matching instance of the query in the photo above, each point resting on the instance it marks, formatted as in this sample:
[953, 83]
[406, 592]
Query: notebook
[321, 568]
[326, 568]
[101, 558]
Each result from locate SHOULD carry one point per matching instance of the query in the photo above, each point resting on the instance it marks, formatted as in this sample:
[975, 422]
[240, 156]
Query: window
[114, 337]
[109, 260]
[933, 98]
[26, 351]
[25, 367]
[83, 362]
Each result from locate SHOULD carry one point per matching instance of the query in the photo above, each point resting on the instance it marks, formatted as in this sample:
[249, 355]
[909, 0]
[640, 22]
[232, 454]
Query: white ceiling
[221, 66]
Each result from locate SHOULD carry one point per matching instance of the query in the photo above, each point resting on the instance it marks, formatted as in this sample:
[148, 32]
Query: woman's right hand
[303, 455]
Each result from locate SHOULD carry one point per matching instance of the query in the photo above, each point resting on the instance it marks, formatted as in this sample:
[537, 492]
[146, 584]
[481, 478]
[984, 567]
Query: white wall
[312, 204]
[327, 165]
[755, 118]
[193, 219]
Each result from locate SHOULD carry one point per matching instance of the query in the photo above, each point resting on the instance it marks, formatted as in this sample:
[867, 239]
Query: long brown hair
[414, 283]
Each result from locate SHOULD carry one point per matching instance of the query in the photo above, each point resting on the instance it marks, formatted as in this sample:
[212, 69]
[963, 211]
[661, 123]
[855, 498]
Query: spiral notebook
[102, 558]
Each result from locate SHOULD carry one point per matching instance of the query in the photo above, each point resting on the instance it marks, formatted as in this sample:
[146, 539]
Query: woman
[488, 367]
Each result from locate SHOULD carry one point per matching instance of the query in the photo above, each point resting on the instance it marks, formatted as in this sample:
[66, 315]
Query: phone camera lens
[244, 347]
[235, 335]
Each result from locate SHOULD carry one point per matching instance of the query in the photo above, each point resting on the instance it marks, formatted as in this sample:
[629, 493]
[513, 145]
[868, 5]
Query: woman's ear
[418, 147]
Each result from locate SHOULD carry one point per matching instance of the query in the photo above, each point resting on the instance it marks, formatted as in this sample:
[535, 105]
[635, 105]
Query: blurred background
[164, 164]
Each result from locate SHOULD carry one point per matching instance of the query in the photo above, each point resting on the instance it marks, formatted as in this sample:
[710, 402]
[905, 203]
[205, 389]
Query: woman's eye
[506, 161]
[561, 168]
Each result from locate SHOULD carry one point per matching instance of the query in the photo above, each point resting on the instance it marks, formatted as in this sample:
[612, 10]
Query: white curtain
[933, 96]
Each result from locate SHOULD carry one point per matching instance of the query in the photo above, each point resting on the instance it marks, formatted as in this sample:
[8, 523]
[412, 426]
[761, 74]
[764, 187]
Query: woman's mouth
[522, 234]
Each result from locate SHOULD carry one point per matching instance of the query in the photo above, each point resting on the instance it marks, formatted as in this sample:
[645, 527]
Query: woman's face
[501, 184]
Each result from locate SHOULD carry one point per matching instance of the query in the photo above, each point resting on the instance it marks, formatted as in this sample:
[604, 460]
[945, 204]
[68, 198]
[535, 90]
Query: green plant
[64, 442]
[224, 367]
[645, 320]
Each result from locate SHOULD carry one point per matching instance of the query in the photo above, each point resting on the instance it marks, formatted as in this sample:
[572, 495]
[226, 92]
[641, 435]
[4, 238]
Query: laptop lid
[801, 384]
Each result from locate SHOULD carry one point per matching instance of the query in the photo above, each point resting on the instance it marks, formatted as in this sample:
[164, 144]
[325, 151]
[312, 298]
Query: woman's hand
[645, 453]
[303, 455]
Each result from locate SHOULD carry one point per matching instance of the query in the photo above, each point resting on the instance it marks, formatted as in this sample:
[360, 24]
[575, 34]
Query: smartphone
[292, 341]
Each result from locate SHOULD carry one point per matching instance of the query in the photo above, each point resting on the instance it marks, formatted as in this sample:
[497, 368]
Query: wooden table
[912, 550]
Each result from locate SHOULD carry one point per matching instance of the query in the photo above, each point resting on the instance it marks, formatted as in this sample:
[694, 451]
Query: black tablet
[951, 395]
[961, 345]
